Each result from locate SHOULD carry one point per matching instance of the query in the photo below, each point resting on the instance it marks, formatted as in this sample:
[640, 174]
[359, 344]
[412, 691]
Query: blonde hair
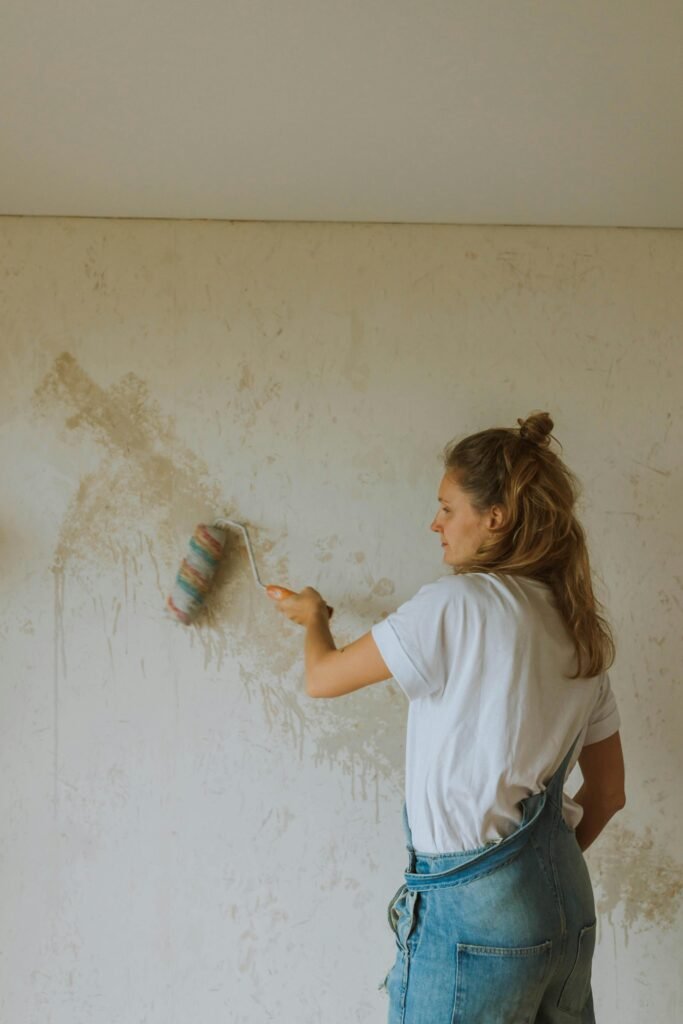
[541, 536]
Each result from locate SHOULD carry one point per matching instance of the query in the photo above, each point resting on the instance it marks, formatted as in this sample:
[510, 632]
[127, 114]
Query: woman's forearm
[596, 814]
[317, 644]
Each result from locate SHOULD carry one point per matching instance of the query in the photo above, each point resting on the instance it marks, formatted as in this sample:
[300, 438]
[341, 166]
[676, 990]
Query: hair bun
[536, 428]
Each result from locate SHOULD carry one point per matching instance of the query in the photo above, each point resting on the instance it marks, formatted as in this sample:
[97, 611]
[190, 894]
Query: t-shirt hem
[602, 730]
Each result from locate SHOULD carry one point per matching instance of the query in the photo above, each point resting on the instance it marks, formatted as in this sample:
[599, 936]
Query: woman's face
[461, 527]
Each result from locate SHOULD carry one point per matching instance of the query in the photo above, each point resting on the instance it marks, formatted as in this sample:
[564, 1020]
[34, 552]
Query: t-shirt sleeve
[604, 719]
[412, 642]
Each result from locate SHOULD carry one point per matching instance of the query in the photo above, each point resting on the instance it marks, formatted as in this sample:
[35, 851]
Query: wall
[187, 835]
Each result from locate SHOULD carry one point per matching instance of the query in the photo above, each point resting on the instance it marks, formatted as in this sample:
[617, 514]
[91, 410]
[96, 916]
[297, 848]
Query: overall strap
[555, 784]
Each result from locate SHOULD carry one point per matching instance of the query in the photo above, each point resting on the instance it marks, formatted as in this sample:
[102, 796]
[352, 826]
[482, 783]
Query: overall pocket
[500, 984]
[576, 988]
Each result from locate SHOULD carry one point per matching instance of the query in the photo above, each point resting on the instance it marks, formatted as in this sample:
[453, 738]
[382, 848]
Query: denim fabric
[502, 934]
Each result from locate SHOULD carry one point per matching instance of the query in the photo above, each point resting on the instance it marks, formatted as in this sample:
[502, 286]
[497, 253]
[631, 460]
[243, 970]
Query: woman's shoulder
[484, 585]
[488, 578]
[463, 580]
[452, 585]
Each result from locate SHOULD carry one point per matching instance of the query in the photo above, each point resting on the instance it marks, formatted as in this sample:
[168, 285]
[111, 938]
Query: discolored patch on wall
[353, 368]
[636, 874]
[143, 452]
[250, 397]
[125, 515]
[148, 481]
[324, 548]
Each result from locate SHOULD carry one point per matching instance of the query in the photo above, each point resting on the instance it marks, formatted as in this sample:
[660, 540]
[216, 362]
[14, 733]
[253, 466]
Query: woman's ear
[496, 517]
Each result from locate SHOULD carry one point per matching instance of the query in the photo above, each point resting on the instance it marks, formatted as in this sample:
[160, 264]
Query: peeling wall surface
[186, 835]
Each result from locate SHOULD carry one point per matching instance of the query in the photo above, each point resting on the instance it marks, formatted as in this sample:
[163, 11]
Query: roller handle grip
[289, 593]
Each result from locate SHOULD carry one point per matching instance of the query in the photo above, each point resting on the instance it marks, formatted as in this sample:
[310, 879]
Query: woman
[504, 662]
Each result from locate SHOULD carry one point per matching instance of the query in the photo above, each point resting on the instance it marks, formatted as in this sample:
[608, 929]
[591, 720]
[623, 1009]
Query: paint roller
[199, 566]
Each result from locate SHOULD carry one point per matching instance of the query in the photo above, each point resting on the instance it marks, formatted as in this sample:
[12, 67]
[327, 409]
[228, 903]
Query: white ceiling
[477, 112]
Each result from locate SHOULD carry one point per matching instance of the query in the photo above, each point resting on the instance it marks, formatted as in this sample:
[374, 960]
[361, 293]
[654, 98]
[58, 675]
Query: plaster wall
[186, 835]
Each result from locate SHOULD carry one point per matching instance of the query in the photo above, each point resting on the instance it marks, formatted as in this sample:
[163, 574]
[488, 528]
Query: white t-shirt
[480, 657]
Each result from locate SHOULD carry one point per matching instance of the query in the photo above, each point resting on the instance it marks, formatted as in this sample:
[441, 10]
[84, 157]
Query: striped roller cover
[196, 572]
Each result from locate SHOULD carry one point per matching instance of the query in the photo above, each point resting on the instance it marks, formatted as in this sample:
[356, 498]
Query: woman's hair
[541, 536]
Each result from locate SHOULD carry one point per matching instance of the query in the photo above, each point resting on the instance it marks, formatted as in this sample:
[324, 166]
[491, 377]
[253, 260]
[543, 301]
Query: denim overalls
[502, 934]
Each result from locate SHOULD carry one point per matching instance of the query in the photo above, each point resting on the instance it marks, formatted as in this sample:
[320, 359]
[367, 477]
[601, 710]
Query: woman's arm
[329, 672]
[602, 793]
[338, 672]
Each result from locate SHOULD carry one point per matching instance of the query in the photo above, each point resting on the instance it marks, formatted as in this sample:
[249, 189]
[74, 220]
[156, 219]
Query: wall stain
[324, 547]
[137, 511]
[92, 270]
[354, 369]
[250, 398]
[633, 873]
[59, 647]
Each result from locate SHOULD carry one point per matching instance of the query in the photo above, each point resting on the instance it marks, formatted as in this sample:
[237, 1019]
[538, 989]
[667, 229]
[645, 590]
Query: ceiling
[534, 112]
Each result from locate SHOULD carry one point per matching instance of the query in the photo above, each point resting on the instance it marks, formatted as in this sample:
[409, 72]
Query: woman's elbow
[613, 802]
[313, 691]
